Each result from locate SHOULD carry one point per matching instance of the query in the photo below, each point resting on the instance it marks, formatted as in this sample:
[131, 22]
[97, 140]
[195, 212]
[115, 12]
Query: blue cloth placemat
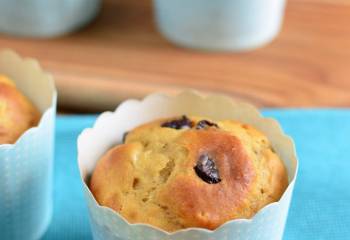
[321, 203]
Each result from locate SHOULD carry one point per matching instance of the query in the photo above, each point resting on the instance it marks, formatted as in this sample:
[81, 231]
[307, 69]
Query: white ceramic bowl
[234, 25]
[45, 18]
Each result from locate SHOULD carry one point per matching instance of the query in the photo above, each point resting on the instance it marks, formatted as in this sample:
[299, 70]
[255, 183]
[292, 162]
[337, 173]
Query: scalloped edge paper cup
[221, 24]
[26, 166]
[267, 224]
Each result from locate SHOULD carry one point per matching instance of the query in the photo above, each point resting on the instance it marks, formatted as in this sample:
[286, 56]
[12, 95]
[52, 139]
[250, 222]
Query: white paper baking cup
[267, 224]
[234, 25]
[26, 166]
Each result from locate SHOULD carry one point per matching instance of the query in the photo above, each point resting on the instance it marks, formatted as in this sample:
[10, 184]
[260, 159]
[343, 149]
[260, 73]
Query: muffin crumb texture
[189, 172]
[17, 113]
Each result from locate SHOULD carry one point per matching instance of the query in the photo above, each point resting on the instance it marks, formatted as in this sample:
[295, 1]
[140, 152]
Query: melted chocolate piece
[206, 170]
[182, 123]
[204, 124]
[124, 137]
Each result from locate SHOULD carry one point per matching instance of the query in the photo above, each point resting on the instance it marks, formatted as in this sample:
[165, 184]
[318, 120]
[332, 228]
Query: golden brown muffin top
[189, 172]
[17, 113]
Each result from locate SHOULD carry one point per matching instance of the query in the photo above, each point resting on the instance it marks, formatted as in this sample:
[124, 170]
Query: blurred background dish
[238, 25]
[43, 18]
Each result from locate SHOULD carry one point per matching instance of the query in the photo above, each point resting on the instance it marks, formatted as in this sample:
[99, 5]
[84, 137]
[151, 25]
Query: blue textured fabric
[321, 202]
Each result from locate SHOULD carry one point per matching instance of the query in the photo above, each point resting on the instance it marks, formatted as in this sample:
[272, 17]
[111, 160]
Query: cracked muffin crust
[189, 172]
[17, 113]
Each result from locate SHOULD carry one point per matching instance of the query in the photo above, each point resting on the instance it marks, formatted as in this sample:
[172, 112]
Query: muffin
[189, 172]
[27, 124]
[17, 113]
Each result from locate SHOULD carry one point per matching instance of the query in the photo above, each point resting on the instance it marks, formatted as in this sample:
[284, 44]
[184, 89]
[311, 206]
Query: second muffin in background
[27, 125]
[17, 113]
[189, 172]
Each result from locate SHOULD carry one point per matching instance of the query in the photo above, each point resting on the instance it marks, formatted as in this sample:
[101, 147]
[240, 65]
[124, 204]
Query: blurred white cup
[45, 18]
[234, 25]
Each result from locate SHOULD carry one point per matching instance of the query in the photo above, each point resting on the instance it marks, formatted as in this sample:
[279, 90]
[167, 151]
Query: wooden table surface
[121, 55]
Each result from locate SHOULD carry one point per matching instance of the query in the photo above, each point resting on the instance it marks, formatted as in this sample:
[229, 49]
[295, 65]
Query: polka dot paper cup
[267, 224]
[26, 166]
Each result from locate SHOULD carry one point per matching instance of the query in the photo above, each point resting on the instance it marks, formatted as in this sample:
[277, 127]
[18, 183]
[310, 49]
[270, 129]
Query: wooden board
[121, 55]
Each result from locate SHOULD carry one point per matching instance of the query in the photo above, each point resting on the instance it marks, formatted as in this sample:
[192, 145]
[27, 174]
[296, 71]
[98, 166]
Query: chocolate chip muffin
[189, 172]
[17, 113]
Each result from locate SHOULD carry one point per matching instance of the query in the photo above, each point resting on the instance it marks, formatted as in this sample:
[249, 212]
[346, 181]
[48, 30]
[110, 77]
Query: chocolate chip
[181, 123]
[206, 170]
[203, 124]
[124, 137]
